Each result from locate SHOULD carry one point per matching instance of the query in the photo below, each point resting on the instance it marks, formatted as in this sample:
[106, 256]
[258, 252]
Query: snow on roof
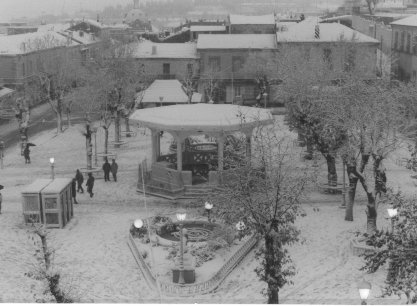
[85, 38]
[329, 32]
[36, 186]
[5, 91]
[171, 91]
[408, 21]
[57, 27]
[143, 49]
[57, 185]
[236, 41]
[202, 117]
[208, 28]
[21, 43]
[243, 19]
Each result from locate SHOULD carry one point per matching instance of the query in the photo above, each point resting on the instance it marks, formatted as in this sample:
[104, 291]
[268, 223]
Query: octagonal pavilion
[173, 174]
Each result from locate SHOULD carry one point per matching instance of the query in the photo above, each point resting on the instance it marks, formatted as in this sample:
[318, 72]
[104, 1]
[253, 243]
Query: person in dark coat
[106, 169]
[114, 167]
[26, 154]
[80, 179]
[90, 184]
[1, 200]
[74, 190]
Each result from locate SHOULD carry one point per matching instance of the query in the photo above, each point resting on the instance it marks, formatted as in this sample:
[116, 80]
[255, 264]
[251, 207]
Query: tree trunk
[117, 129]
[127, 126]
[68, 119]
[270, 270]
[45, 251]
[331, 170]
[353, 181]
[106, 139]
[371, 214]
[59, 122]
[370, 9]
[309, 149]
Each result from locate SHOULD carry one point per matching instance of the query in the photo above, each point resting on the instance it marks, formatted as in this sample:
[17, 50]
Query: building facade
[242, 24]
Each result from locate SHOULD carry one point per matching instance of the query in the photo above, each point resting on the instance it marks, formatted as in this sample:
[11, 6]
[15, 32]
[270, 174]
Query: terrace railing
[198, 288]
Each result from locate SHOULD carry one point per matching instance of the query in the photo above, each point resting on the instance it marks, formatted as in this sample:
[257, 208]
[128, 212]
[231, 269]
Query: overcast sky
[18, 8]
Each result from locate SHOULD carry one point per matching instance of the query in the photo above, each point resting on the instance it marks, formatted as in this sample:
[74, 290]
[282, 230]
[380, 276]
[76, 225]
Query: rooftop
[57, 185]
[408, 21]
[244, 19]
[236, 41]
[329, 32]
[171, 91]
[23, 43]
[206, 28]
[144, 48]
[202, 117]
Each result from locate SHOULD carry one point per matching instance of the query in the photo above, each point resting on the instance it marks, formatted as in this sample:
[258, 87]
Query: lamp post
[181, 217]
[52, 162]
[161, 98]
[208, 206]
[392, 213]
[364, 288]
[240, 226]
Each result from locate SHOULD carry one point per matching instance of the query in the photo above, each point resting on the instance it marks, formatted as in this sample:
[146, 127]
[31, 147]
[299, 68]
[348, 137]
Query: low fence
[198, 288]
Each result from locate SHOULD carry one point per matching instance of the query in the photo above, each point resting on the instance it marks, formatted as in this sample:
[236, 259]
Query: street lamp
[364, 288]
[240, 226]
[138, 223]
[344, 186]
[392, 213]
[52, 162]
[208, 206]
[181, 217]
[95, 145]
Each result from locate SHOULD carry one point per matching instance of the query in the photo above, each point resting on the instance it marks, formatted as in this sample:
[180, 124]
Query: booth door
[32, 209]
[51, 211]
[69, 204]
[63, 198]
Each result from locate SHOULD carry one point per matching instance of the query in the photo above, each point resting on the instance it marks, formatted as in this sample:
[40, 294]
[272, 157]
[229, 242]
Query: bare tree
[371, 5]
[264, 192]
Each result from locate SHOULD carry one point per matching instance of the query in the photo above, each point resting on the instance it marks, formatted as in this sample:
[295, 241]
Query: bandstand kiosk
[172, 174]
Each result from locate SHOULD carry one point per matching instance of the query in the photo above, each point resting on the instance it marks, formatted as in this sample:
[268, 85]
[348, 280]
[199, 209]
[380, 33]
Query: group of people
[78, 180]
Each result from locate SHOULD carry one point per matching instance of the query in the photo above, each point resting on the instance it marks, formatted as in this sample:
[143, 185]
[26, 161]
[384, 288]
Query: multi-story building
[23, 56]
[404, 48]
[167, 60]
[222, 61]
[243, 24]
[342, 48]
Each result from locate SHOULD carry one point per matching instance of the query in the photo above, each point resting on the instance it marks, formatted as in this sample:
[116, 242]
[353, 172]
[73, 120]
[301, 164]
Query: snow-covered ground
[95, 261]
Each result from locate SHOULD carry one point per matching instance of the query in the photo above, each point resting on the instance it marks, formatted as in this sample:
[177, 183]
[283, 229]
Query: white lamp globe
[138, 223]
[52, 160]
[181, 216]
[208, 205]
[392, 212]
[364, 289]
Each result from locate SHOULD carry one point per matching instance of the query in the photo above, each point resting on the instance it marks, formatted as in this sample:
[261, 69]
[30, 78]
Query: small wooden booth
[57, 203]
[32, 202]
[49, 202]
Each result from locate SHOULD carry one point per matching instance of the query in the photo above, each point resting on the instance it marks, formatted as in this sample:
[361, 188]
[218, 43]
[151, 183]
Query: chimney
[317, 32]
[153, 50]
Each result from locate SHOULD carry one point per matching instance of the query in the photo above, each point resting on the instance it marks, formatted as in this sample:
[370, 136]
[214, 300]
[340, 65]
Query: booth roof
[36, 186]
[57, 185]
[202, 117]
[171, 91]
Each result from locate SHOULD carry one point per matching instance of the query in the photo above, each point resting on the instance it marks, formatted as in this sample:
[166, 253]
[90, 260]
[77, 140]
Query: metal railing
[198, 288]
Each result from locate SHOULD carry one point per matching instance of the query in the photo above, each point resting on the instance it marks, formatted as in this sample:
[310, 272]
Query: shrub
[138, 232]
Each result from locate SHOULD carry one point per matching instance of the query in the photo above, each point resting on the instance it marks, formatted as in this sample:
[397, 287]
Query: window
[23, 69]
[408, 47]
[327, 57]
[402, 43]
[190, 69]
[350, 59]
[166, 68]
[415, 44]
[396, 40]
[237, 91]
[414, 76]
[237, 63]
[214, 63]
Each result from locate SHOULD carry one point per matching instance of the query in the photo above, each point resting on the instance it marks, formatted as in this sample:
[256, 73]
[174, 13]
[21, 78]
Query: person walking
[114, 167]
[80, 179]
[26, 154]
[74, 190]
[1, 200]
[90, 184]
[106, 169]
